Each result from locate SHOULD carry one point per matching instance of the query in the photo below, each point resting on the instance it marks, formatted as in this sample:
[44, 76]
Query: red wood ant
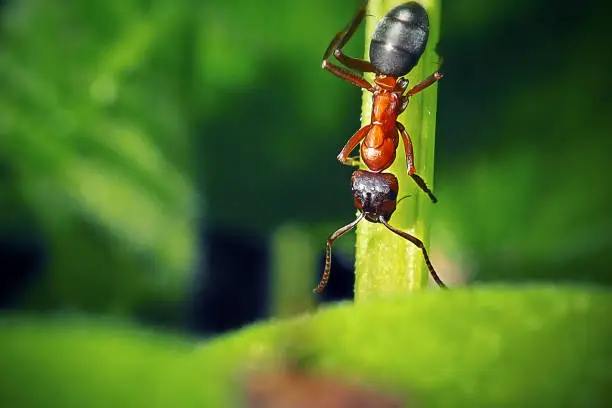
[376, 198]
[398, 42]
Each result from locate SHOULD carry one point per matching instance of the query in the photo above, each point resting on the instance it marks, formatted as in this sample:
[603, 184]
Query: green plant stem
[293, 263]
[385, 263]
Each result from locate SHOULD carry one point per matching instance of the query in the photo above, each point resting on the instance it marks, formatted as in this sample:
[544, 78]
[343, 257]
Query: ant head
[375, 194]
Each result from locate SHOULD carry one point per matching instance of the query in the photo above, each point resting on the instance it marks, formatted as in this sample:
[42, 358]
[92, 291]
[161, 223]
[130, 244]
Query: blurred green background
[168, 160]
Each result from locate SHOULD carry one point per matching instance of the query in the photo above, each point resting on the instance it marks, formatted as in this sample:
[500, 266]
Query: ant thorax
[385, 82]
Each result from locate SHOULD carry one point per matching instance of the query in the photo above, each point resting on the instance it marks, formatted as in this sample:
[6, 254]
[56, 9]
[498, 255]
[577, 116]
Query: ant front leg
[410, 162]
[351, 145]
[427, 82]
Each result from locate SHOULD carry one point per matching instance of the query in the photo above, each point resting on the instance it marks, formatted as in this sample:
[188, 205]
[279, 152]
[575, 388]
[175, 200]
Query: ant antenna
[406, 196]
[417, 242]
[330, 241]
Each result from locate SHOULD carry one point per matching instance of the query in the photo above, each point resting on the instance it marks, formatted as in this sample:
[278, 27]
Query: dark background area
[150, 152]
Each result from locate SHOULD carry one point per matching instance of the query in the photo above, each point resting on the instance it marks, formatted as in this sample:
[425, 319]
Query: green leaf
[496, 346]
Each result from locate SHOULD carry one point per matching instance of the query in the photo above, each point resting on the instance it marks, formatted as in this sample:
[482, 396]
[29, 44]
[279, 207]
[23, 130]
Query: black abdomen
[399, 39]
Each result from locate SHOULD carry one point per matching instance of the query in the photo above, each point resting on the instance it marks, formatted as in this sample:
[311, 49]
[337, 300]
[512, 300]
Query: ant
[398, 42]
[376, 198]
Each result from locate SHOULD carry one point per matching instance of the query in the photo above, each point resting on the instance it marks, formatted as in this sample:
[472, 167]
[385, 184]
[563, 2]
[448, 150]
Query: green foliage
[293, 261]
[524, 191]
[122, 124]
[97, 152]
[539, 346]
[116, 118]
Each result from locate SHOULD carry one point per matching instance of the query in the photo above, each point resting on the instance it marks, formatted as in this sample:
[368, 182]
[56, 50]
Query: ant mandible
[398, 42]
[375, 197]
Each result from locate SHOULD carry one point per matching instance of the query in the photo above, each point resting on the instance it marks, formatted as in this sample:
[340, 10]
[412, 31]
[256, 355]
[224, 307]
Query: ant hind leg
[345, 35]
[335, 48]
[354, 63]
[427, 82]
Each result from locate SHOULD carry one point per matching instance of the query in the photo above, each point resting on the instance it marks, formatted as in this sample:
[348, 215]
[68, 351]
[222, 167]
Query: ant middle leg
[410, 163]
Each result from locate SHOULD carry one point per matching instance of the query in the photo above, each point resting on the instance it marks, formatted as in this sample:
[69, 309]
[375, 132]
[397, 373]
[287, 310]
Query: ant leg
[354, 63]
[420, 245]
[410, 163]
[345, 35]
[335, 48]
[430, 80]
[407, 147]
[328, 245]
[347, 75]
[421, 183]
[352, 144]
